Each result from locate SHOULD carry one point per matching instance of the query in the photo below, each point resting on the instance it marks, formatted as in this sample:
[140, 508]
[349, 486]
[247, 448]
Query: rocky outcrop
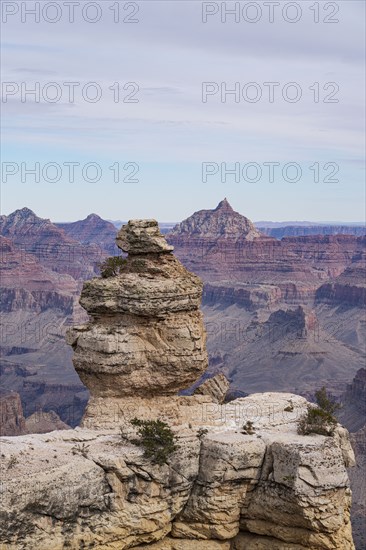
[38, 397]
[12, 421]
[358, 483]
[142, 237]
[220, 489]
[216, 387]
[146, 336]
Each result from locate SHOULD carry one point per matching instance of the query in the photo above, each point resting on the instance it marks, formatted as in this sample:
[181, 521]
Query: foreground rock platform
[89, 488]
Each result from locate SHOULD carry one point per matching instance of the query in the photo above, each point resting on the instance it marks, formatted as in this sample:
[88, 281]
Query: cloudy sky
[150, 131]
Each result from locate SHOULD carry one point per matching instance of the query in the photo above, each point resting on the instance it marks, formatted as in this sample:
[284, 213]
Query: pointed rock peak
[93, 216]
[224, 205]
[223, 221]
[24, 213]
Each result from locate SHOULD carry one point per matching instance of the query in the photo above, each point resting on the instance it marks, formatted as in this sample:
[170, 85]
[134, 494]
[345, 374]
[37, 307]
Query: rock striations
[146, 336]
[242, 477]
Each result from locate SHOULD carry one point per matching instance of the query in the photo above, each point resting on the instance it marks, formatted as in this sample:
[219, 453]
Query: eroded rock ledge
[91, 488]
[88, 488]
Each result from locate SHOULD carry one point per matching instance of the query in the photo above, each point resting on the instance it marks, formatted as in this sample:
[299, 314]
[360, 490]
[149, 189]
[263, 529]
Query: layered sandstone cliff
[242, 477]
[222, 245]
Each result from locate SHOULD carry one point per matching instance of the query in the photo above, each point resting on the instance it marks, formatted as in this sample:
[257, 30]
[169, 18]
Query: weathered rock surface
[91, 489]
[146, 336]
[142, 237]
[216, 387]
[12, 421]
[358, 483]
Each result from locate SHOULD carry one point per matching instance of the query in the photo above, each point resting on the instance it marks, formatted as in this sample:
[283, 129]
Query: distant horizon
[276, 223]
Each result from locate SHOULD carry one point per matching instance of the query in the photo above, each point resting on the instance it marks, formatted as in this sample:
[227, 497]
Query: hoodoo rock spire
[146, 336]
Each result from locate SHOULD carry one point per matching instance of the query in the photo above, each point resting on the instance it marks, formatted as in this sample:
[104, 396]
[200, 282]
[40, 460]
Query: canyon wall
[240, 477]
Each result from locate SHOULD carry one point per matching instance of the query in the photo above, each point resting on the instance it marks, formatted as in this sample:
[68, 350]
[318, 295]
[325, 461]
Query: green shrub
[112, 266]
[319, 420]
[325, 402]
[157, 439]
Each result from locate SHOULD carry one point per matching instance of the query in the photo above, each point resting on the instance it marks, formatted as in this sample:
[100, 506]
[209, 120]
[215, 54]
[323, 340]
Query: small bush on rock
[157, 439]
[112, 266]
[319, 420]
[325, 402]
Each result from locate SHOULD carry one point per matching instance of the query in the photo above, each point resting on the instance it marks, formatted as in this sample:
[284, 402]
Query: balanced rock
[142, 237]
[146, 336]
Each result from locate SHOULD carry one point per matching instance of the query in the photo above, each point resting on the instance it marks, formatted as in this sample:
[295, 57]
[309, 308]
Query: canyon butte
[242, 477]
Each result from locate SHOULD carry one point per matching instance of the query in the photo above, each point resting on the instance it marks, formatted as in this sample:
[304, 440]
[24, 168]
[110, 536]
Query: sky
[157, 109]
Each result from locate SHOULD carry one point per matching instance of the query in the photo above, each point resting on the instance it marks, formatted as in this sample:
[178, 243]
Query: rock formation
[49, 244]
[349, 287]
[216, 387]
[222, 245]
[352, 415]
[146, 336]
[358, 481]
[223, 221]
[242, 477]
[272, 489]
[12, 421]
